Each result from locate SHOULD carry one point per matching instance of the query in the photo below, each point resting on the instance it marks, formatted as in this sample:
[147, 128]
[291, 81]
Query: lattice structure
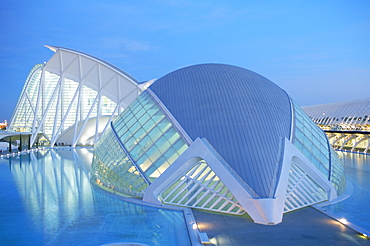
[346, 116]
[347, 124]
[72, 98]
[302, 190]
[139, 147]
[201, 188]
[113, 168]
[314, 145]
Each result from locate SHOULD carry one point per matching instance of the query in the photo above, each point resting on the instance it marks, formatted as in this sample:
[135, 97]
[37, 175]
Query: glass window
[156, 165]
[314, 141]
[164, 125]
[135, 110]
[140, 113]
[126, 136]
[145, 143]
[144, 119]
[152, 110]
[135, 127]
[144, 162]
[172, 135]
[153, 153]
[162, 144]
[155, 134]
[171, 155]
[139, 134]
[148, 105]
[130, 144]
[158, 117]
[150, 139]
[136, 152]
[180, 146]
[131, 122]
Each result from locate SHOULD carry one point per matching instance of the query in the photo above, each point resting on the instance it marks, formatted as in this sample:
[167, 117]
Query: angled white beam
[359, 141]
[45, 112]
[347, 140]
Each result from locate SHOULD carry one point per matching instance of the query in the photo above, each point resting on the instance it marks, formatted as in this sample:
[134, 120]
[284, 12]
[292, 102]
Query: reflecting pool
[355, 208]
[46, 198]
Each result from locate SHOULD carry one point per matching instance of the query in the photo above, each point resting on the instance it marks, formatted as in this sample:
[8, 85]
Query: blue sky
[318, 51]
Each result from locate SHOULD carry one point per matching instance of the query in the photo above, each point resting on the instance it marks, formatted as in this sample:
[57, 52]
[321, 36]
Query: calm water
[356, 208]
[46, 198]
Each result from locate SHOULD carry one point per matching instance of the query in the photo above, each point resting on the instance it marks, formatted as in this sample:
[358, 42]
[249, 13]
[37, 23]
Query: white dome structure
[219, 138]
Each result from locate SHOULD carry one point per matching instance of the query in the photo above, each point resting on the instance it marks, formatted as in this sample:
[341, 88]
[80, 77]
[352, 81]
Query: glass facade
[313, 143]
[60, 102]
[337, 176]
[23, 118]
[112, 168]
[147, 138]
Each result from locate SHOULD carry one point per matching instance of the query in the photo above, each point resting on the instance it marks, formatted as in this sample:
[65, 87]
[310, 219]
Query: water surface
[46, 198]
[356, 208]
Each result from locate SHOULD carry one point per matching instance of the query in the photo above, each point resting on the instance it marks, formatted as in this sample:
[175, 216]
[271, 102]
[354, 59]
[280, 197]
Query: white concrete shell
[72, 98]
[153, 156]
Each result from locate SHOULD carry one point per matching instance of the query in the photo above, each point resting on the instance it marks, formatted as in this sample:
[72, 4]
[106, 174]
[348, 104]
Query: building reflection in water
[65, 208]
[58, 194]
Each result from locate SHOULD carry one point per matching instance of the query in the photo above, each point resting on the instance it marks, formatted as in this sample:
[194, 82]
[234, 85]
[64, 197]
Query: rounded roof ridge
[241, 113]
[55, 48]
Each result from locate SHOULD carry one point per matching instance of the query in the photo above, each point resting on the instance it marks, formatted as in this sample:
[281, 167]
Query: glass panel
[126, 136]
[131, 122]
[131, 143]
[155, 134]
[148, 104]
[135, 127]
[139, 134]
[136, 152]
[144, 119]
[144, 162]
[145, 143]
[164, 125]
[152, 110]
[156, 165]
[180, 146]
[172, 135]
[162, 144]
[171, 155]
[153, 153]
[149, 125]
[158, 117]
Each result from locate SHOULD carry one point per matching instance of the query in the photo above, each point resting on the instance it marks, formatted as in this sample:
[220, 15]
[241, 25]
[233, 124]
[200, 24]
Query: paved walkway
[302, 227]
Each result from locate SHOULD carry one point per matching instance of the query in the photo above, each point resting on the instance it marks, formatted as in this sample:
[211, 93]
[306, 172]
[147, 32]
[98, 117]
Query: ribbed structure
[201, 188]
[349, 115]
[242, 114]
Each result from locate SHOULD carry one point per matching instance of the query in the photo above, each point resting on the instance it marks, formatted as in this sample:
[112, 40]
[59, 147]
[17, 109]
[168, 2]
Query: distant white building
[347, 124]
[72, 98]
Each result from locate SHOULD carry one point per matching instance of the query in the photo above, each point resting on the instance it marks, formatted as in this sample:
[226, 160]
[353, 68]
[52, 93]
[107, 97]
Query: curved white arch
[73, 90]
[347, 115]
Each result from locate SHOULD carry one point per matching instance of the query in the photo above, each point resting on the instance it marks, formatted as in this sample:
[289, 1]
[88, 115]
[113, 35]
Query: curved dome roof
[242, 114]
